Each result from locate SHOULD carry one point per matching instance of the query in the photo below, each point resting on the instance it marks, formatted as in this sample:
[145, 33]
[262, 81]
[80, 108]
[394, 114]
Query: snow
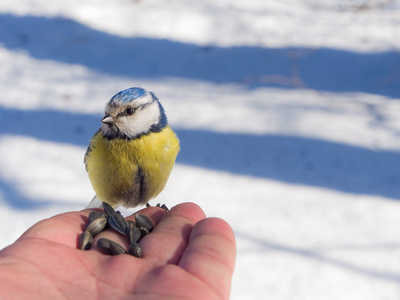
[288, 114]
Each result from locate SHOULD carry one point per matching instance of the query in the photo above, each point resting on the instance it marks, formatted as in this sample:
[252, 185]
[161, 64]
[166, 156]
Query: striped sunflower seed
[119, 224]
[85, 240]
[93, 216]
[110, 247]
[116, 249]
[109, 209]
[144, 221]
[143, 231]
[134, 233]
[96, 226]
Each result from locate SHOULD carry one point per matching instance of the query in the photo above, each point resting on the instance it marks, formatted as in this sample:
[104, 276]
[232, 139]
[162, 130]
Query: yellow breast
[131, 172]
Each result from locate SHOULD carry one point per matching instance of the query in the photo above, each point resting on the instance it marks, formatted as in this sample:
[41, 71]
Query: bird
[129, 159]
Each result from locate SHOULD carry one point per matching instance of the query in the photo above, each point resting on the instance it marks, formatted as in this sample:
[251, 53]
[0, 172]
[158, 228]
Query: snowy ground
[288, 114]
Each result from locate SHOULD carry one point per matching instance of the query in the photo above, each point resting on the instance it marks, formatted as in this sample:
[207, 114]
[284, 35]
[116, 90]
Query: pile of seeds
[100, 220]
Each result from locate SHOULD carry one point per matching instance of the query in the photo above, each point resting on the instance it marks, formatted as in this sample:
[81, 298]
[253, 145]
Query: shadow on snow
[318, 256]
[290, 159]
[67, 41]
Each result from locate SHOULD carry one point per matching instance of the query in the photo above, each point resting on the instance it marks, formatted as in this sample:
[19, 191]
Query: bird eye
[129, 111]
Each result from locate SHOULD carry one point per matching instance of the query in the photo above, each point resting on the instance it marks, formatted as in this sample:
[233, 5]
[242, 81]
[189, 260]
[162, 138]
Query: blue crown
[128, 95]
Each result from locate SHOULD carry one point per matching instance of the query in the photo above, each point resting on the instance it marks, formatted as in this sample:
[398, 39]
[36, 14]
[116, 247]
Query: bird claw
[163, 206]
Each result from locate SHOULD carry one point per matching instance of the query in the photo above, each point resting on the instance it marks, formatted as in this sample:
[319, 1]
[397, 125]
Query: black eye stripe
[127, 111]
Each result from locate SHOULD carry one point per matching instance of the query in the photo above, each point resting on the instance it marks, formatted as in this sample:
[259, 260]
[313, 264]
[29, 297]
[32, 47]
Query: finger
[210, 255]
[170, 237]
[63, 228]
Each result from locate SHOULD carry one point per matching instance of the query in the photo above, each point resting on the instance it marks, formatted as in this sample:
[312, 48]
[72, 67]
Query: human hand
[187, 256]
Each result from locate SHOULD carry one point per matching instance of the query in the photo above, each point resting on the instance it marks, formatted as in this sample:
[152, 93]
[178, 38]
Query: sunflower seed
[110, 247]
[119, 224]
[144, 221]
[85, 240]
[93, 216]
[104, 245]
[102, 214]
[135, 249]
[98, 220]
[96, 226]
[116, 249]
[143, 231]
[109, 209]
[134, 233]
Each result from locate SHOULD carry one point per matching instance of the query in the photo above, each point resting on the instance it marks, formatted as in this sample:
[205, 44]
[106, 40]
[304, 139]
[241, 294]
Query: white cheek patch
[141, 121]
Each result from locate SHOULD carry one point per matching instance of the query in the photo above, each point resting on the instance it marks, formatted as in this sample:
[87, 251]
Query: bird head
[132, 113]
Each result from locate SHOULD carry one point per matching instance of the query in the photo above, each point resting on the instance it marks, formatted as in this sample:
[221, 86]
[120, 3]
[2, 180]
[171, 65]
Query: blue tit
[131, 156]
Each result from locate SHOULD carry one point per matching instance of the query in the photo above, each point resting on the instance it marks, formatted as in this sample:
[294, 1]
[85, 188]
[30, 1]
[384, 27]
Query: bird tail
[95, 203]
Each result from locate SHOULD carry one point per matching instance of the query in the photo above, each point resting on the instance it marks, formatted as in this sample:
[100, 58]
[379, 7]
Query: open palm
[187, 256]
